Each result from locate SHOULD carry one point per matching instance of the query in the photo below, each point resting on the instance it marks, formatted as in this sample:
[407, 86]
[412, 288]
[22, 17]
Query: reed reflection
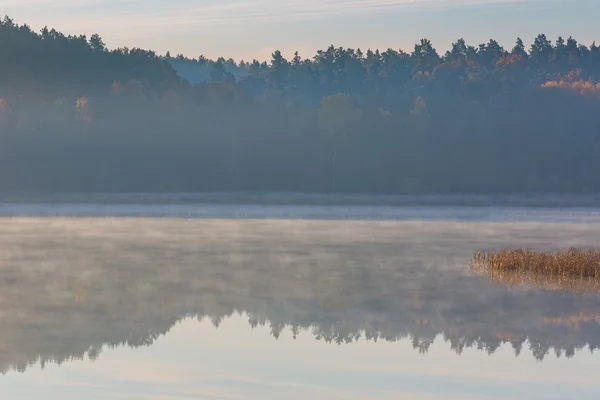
[573, 270]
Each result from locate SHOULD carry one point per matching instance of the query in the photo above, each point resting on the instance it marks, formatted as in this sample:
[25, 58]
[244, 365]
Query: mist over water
[312, 207]
[176, 228]
[89, 292]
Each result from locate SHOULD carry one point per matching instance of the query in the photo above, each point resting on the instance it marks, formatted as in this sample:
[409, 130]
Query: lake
[200, 301]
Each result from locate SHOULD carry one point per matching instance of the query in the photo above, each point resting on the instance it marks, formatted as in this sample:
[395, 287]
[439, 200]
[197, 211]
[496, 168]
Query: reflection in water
[195, 360]
[68, 288]
[582, 285]
[573, 270]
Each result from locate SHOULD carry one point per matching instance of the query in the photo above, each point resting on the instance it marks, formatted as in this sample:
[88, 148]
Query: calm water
[202, 302]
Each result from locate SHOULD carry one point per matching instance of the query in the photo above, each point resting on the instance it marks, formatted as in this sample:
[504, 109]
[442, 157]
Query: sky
[197, 361]
[248, 29]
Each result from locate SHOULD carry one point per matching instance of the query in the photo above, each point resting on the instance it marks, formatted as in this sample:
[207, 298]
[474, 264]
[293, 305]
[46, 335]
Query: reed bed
[572, 270]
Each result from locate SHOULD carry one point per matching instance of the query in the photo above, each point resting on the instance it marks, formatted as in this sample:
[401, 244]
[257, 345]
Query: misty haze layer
[70, 287]
[77, 117]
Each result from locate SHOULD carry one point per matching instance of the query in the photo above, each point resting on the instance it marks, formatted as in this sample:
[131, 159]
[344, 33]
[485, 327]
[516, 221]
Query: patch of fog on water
[310, 211]
[69, 286]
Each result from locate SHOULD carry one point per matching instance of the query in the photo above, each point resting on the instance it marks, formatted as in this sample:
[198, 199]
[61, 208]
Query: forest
[77, 117]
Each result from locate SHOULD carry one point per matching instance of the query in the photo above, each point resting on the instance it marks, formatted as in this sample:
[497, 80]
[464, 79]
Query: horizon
[252, 30]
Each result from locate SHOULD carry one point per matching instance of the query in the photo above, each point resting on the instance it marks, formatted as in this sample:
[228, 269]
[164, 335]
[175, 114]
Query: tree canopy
[76, 116]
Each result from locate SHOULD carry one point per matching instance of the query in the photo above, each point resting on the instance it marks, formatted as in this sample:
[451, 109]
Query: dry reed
[572, 270]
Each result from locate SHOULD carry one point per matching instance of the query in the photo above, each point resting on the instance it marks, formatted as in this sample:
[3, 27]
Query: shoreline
[310, 199]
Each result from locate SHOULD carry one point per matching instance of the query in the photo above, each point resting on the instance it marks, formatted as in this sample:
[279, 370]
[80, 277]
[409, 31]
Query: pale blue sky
[253, 28]
[196, 361]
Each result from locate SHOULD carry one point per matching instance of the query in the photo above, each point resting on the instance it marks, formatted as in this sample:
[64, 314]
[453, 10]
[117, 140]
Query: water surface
[113, 307]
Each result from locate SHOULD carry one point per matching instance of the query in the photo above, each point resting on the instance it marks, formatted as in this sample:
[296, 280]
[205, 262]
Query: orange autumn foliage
[83, 109]
[572, 81]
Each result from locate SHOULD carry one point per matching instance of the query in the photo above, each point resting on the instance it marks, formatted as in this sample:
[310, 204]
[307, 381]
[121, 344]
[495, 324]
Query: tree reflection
[136, 289]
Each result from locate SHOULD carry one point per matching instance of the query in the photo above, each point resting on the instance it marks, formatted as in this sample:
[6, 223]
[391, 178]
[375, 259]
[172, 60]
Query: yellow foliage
[573, 82]
[83, 111]
[420, 108]
[585, 88]
[338, 113]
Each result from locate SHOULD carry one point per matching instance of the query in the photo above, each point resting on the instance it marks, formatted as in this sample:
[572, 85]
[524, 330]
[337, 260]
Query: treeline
[78, 117]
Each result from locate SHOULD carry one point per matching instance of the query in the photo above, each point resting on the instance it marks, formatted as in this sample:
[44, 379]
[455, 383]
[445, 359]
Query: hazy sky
[197, 361]
[253, 28]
